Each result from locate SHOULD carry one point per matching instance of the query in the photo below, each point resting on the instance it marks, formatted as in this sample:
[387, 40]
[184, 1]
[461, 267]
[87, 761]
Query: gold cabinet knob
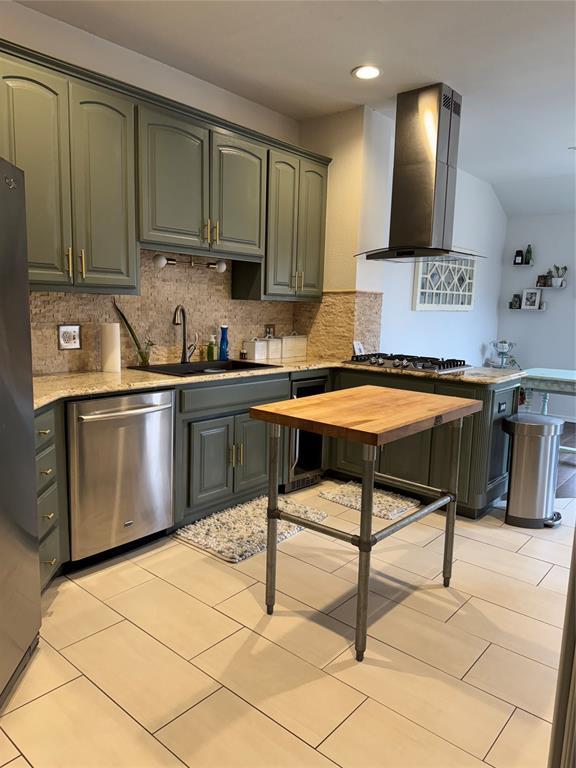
[51, 563]
[46, 472]
[44, 432]
[48, 517]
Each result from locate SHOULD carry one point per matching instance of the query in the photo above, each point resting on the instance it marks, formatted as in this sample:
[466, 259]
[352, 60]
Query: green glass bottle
[528, 257]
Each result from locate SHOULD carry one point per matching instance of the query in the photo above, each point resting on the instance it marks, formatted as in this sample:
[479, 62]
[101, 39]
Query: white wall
[480, 226]
[41, 33]
[544, 339]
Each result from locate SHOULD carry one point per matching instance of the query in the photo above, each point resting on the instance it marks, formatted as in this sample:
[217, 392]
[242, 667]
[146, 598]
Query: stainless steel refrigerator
[19, 568]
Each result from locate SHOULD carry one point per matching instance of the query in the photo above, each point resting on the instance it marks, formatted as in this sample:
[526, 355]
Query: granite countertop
[64, 386]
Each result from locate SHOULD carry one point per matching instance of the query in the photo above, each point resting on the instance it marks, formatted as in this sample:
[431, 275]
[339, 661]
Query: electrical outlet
[69, 337]
[270, 330]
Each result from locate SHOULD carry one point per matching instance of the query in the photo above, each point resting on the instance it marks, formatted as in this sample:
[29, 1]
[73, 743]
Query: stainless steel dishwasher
[121, 464]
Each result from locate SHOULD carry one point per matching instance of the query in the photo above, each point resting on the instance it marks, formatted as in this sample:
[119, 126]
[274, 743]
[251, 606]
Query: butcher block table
[373, 416]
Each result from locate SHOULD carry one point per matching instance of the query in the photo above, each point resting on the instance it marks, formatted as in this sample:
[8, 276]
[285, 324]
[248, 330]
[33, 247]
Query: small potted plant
[558, 275]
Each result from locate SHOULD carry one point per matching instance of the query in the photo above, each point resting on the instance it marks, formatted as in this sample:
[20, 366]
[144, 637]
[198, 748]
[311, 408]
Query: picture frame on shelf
[543, 281]
[518, 258]
[516, 302]
[531, 298]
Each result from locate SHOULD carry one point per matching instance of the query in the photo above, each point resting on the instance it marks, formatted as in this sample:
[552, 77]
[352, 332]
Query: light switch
[69, 337]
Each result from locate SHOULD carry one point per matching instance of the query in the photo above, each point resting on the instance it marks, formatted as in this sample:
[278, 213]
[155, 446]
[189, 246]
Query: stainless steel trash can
[533, 469]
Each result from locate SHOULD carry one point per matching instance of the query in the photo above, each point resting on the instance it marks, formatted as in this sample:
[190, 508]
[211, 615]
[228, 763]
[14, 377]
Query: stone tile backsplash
[331, 324]
[204, 293]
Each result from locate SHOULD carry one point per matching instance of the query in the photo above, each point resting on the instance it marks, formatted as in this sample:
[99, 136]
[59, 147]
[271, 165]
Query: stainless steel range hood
[424, 178]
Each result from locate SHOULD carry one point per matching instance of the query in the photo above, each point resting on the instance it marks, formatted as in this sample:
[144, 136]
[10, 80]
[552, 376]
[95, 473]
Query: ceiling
[513, 61]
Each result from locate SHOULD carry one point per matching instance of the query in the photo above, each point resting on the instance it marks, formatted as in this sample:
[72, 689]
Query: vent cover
[456, 108]
[446, 101]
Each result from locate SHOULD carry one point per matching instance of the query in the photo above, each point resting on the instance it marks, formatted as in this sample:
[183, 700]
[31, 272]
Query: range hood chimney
[424, 178]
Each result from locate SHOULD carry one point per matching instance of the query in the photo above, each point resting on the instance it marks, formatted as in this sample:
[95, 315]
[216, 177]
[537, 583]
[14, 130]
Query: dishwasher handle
[121, 414]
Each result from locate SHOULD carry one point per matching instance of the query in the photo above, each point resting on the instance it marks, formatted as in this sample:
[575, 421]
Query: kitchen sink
[203, 367]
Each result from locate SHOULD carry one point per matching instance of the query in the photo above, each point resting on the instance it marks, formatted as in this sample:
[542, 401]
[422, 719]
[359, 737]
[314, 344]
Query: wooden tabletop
[370, 415]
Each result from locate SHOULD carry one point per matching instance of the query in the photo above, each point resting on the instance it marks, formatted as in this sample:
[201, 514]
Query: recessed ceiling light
[366, 72]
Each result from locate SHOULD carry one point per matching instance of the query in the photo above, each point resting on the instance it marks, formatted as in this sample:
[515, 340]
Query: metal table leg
[272, 531]
[365, 546]
[455, 428]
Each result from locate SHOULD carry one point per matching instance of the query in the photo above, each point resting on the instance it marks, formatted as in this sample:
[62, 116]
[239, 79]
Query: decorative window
[446, 284]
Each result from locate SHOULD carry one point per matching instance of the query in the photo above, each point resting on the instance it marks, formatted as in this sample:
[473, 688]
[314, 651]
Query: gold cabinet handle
[232, 456]
[294, 281]
[83, 262]
[51, 563]
[44, 432]
[46, 471]
[48, 517]
[208, 236]
[69, 262]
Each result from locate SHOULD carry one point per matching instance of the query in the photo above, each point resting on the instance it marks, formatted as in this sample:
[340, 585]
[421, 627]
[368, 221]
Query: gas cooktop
[411, 362]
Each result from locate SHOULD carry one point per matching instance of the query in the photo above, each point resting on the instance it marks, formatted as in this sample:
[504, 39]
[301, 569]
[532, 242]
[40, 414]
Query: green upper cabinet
[282, 240]
[296, 224]
[238, 195]
[174, 158]
[311, 228]
[34, 136]
[103, 204]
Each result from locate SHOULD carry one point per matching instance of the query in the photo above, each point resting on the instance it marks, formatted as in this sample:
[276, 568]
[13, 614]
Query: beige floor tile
[536, 602]
[568, 512]
[411, 590]
[556, 580]
[8, 751]
[318, 550]
[514, 631]
[458, 712]
[523, 743]
[154, 547]
[178, 620]
[304, 631]
[46, 670]
[225, 732]
[495, 559]
[70, 614]
[549, 551]
[318, 502]
[562, 503]
[19, 762]
[562, 534]
[503, 537]
[303, 699]
[339, 524]
[109, 578]
[202, 576]
[376, 737]
[353, 516]
[429, 640]
[425, 561]
[415, 533]
[516, 679]
[148, 680]
[77, 725]
[295, 578]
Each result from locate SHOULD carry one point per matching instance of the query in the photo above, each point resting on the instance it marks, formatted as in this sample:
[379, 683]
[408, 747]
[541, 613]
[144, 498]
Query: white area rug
[386, 504]
[240, 532]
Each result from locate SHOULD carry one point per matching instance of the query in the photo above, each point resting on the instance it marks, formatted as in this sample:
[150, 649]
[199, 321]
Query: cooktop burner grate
[411, 362]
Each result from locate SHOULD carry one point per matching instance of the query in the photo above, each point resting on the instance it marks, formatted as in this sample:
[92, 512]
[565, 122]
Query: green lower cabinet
[211, 478]
[251, 453]
[424, 458]
[51, 483]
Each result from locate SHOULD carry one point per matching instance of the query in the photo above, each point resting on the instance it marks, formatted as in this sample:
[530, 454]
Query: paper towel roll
[111, 360]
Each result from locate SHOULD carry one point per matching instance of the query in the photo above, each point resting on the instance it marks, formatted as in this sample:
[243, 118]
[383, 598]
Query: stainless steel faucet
[187, 349]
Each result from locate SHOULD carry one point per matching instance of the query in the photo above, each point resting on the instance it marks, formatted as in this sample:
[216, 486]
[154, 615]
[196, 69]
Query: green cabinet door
[251, 453]
[238, 195]
[102, 149]
[311, 228]
[282, 238]
[173, 179]
[211, 450]
[34, 136]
